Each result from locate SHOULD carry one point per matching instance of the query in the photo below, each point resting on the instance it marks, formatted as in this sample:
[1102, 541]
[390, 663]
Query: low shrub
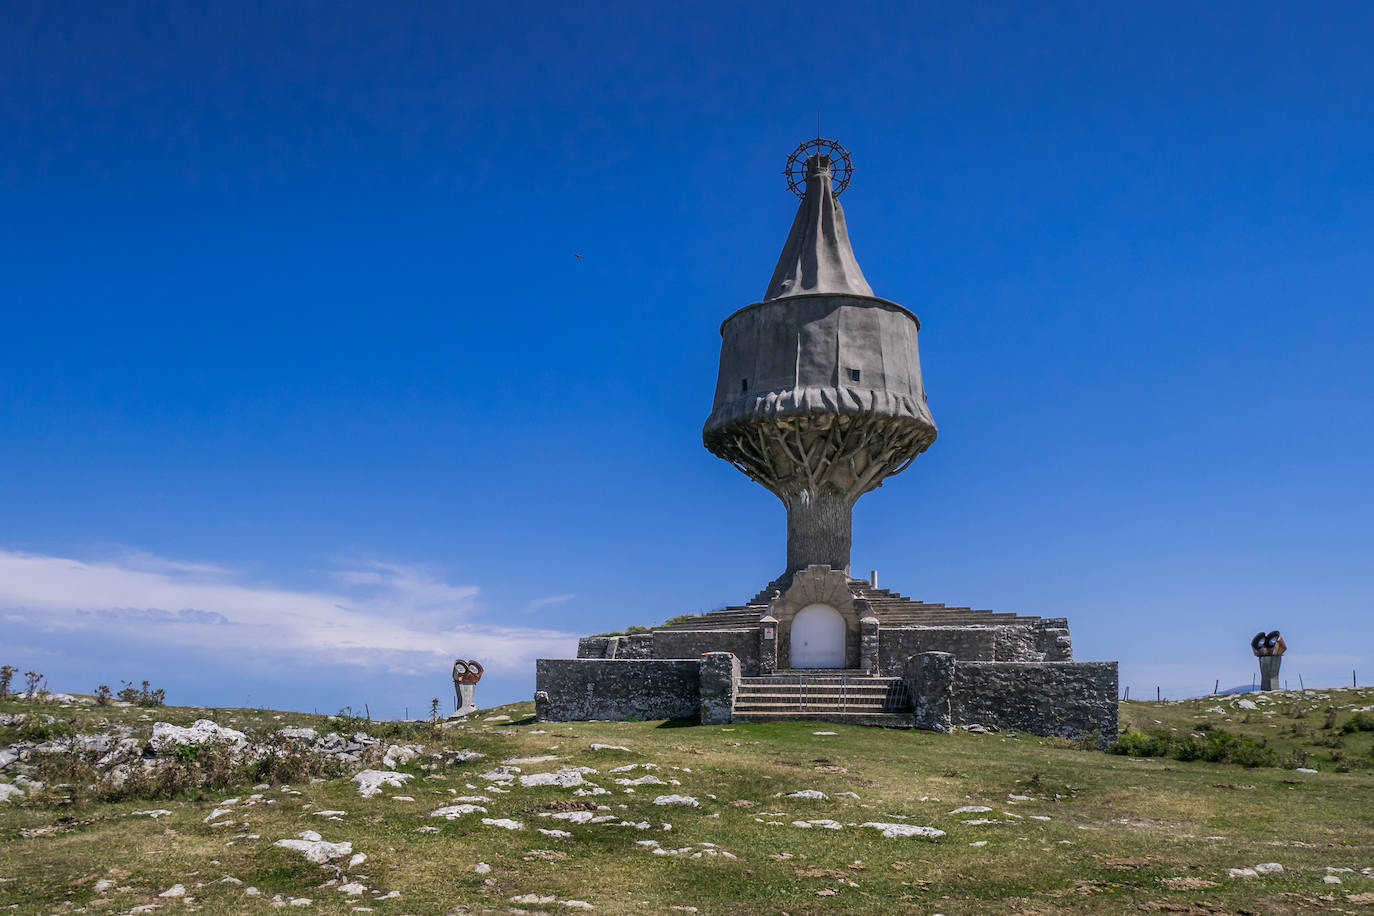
[142, 696]
[1360, 722]
[35, 684]
[1216, 746]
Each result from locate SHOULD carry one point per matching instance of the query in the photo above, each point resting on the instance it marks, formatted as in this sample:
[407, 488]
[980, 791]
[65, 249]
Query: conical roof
[817, 257]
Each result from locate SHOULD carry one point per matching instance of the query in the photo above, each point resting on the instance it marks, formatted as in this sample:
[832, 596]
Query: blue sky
[303, 392]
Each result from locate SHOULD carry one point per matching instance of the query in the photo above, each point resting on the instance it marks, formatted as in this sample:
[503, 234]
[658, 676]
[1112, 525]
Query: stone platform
[905, 663]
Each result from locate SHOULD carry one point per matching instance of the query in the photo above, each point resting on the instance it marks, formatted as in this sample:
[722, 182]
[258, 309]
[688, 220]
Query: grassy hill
[1050, 827]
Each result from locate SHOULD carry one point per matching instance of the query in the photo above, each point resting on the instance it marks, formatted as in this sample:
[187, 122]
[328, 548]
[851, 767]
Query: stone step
[887, 620]
[810, 673]
[787, 690]
[883, 719]
[819, 702]
[744, 709]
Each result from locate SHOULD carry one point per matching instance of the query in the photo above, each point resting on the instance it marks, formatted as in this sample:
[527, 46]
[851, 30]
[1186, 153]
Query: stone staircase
[832, 696]
[891, 609]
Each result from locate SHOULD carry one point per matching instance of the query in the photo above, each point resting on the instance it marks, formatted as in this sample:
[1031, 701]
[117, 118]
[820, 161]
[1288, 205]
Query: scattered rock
[453, 812]
[895, 831]
[563, 779]
[315, 848]
[167, 737]
[684, 800]
[503, 822]
[370, 782]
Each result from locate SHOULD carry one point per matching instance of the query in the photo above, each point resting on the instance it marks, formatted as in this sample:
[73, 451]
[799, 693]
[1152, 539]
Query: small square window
[744, 384]
[853, 375]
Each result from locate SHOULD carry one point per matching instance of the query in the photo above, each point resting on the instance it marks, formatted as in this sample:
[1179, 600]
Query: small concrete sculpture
[1268, 648]
[465, 678]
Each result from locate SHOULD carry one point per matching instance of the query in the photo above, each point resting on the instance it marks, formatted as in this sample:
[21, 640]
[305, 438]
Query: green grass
[1117, 829]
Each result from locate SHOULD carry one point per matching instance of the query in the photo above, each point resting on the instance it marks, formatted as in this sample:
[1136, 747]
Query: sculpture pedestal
[465, 699]
[1269, 671]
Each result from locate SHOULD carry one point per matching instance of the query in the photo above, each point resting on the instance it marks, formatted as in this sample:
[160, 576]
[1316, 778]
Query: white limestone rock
[503, 822]
[686, 801]
[896, 831]
[453, 812]
[302, 734]
[167, 737]
[563, 779]
[315, 848]
[370, 782]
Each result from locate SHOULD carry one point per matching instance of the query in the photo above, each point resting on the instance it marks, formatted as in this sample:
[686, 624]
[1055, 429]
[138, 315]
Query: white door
[818, 638]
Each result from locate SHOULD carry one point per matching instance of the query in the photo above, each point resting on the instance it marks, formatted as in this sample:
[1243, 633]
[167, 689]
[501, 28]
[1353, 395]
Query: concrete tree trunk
[820, 530]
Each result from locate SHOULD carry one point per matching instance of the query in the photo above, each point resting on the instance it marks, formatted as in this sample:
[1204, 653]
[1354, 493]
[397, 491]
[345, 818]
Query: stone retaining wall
[1044, 698]
[743, 643]
[1071, 699]
[577, 689]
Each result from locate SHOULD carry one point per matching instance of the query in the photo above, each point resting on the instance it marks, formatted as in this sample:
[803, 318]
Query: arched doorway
[818, 633]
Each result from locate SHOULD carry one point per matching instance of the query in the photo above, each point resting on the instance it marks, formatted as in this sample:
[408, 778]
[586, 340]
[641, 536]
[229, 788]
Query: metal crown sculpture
[819, 396]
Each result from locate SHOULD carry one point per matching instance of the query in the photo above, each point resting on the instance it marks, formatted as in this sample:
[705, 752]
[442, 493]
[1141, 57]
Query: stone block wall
[1004, 643]
[596, 647]
[1054, 641]
[897, 644]
[636, 645]
[720, 673]
[930, 677]
[742, 643]
[576, 689]
[1044, 698]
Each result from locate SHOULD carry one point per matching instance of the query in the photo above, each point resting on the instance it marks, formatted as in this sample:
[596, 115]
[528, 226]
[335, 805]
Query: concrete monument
[466, 674]
[819, 398]
[819, 395]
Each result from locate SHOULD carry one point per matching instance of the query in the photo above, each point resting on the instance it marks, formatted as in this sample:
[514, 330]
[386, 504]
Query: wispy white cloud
[550, 601]
[390, 615]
